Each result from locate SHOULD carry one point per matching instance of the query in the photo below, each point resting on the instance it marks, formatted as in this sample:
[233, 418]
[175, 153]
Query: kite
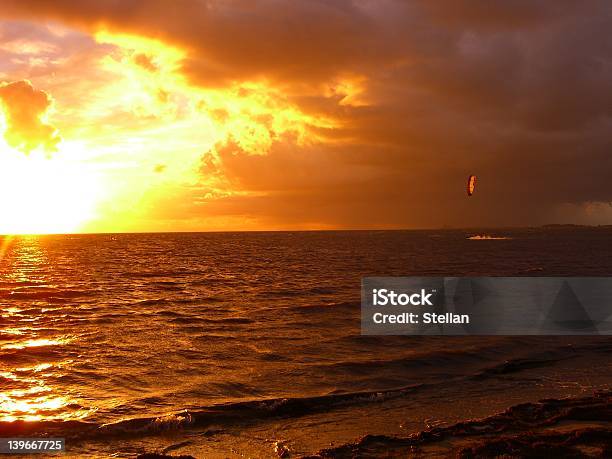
[471, 185]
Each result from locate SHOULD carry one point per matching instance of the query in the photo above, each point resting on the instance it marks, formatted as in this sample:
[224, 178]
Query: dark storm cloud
[519, 93]
[238, 39]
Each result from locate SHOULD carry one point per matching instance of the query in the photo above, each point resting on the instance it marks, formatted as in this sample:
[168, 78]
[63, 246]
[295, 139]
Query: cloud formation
[421, 93]
[24, 109]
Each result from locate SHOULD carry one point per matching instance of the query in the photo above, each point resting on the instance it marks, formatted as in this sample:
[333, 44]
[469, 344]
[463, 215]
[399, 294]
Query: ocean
[223, 344]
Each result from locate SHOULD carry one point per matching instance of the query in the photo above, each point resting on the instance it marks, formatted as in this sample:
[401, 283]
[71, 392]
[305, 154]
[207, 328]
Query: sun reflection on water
[27, 396]
[28, 342]
[33, 404]
[35, 343]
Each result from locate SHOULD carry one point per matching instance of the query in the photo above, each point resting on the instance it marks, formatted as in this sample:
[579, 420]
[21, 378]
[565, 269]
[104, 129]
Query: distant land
[573, 225]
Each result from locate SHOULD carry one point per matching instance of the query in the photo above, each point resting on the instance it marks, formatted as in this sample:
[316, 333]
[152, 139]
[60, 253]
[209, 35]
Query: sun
[41, 194]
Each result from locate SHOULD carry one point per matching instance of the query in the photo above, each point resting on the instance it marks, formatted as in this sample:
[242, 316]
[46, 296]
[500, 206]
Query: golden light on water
[38, 401]
[29, 405]
[32, 398]
[28, 391]
[40, 342]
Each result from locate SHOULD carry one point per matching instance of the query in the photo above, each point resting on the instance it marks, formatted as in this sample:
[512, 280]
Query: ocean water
[129, 331]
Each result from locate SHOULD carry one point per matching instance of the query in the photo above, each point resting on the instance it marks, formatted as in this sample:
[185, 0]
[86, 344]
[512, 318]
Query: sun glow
[41, 195]
[132, 137]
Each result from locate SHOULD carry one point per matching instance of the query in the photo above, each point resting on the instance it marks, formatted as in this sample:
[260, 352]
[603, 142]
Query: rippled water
[102, 328]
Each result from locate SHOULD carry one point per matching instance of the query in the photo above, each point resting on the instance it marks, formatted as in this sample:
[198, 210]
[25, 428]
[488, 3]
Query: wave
[487, 237]
[339, 305]
[206, 320]
[44, 293]
[214, 415]
[523, 430]
[249, 411]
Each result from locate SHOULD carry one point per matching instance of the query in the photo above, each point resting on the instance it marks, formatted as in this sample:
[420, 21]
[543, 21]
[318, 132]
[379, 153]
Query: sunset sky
[151, 115]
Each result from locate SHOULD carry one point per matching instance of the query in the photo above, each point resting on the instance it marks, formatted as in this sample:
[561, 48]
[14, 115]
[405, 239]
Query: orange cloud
[24, 109]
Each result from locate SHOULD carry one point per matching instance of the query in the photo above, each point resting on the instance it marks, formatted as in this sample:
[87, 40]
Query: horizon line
[327, 230]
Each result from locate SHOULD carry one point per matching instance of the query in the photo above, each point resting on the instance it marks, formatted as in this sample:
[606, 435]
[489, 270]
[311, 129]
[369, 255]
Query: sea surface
[141, 333]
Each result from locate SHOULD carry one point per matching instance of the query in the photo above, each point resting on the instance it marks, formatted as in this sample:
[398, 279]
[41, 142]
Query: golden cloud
[25, 109]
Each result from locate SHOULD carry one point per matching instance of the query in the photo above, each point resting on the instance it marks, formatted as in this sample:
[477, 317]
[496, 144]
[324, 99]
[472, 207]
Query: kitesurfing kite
[471, 185]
